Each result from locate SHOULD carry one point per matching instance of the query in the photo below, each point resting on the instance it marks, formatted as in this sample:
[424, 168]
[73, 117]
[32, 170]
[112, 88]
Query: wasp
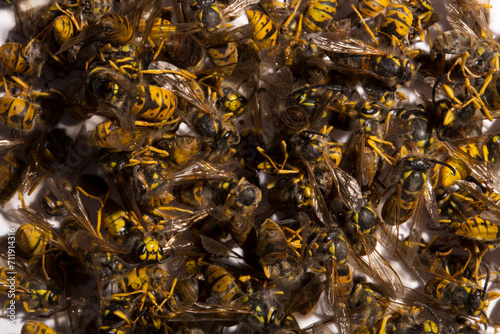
[211, 16]
[183, 50]
[63, 29]
[307, 296]
[20, 59]
[148, 174]
[319, 154]
[208, 15]
[111, 28]
[91, 251]
[477, 50]
[93, 10]
[144, 290]
[111, 136]
[27, 59]
[149, 278]
[424, 15]
[116, 29]
[405, 321]
[304, 108]
[369, 118]
[222, 285]
[354, 56]
[367, 300]
[30, 240]
[295, 191]
[189, 51]
[398, 19]
[92, 184]
[476, 156]
[150, 105]
[47, 154]
[216, 130]
[35, 225]
[462, 296]
[127, 231]
[470, 226]
[332, 253]
[360, 227]
[18, 112]
[412, 191]
[417, 120]
[35, 293]
[12, 170]
[330, 250]
[100, 258]
[187, 44]
[182, 149]
[114, 36]
[230, 201]
[275, 255]
[460, 113]
[25, 109]
[36, 327]
[461, 171]
[315, 149]
[186, 291]
[119, 314]
[59, 22]
[371, 8]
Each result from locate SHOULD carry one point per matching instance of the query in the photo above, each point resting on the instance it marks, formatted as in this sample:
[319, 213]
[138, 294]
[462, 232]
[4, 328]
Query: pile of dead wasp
[237, 176]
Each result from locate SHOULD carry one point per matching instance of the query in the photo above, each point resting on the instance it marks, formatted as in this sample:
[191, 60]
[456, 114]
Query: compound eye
[227, 135]
[141, 184]
[273, 316]
[409, 163]
[306, 135]
[141, 251]
[327, 237]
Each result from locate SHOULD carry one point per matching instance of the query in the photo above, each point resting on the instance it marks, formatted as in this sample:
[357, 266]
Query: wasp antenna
[444, 164]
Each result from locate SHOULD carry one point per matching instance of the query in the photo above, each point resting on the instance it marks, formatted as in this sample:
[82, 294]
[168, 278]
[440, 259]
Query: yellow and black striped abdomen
[17, 113]
[397, 21]
[63, 29]
[477, 228]
[30, 239]
[221, 284]
[156, 104]
[117, 29]
[319, 14]
[12, 57]
[36, 327]
[183, 49]
[224, 56]
[449, 177]
[265, 32]
[100, 133]
[371, 8]
[272, 244]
